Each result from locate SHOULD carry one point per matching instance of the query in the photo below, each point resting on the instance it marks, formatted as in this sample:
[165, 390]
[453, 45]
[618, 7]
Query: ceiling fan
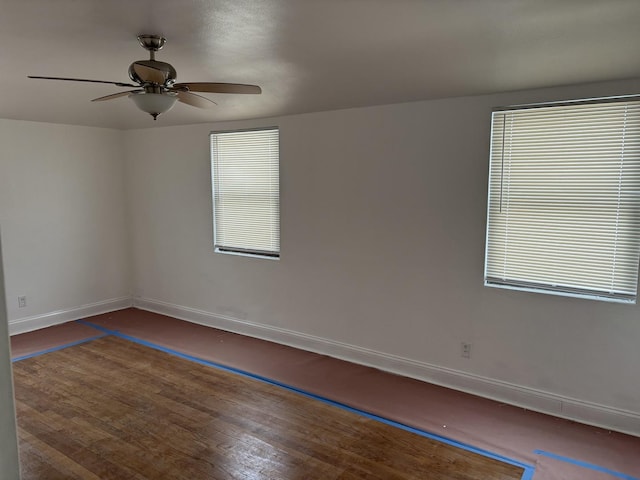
[156, 90]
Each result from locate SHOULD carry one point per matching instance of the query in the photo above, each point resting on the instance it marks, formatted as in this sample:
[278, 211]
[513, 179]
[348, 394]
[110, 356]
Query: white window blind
[564, 198]
[246, 191]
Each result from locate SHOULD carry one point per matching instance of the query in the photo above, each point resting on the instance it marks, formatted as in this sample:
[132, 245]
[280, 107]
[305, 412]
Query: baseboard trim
[36, 322]
[589, 413]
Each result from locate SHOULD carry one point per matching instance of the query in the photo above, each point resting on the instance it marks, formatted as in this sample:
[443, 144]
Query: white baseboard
[589, 413]
[36, 322]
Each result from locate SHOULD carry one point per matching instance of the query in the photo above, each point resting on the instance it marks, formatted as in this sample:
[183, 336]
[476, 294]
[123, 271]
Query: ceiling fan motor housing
[152, 72]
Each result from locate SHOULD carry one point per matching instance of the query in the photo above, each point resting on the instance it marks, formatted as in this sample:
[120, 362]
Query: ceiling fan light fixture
[154, 103]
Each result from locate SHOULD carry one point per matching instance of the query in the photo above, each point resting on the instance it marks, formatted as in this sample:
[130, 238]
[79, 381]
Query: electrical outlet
[22, 301]
[466, 350]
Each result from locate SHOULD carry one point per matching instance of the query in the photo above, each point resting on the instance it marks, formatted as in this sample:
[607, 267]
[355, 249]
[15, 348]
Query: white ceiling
[307, 55]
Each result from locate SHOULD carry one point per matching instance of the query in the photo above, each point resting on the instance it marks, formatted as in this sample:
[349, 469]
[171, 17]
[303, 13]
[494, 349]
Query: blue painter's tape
[528, 473]
[528, 469]
[582, 464]
[60, 347]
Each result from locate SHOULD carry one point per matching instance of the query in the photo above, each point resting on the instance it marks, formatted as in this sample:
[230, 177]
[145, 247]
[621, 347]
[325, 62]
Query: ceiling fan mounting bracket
[152, 43]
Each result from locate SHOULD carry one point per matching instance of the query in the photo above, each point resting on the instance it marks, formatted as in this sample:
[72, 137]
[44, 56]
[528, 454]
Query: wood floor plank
[111, 408]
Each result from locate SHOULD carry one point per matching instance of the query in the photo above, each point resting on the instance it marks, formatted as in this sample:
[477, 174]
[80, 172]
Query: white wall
[9, 465]
[383, 229]
[63, 213]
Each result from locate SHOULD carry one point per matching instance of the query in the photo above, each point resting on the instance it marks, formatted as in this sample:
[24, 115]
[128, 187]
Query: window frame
[240, 251]
[551, 288]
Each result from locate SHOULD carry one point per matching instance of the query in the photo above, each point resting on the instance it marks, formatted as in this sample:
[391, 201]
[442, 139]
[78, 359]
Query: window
[564, 199]
[246, 192]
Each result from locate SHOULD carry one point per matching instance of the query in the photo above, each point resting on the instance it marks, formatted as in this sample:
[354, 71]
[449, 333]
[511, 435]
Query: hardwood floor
[113, 409]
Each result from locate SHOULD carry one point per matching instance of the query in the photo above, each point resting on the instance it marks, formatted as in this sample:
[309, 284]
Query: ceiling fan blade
[148, 73]
[114, 95]
[117, 84]
[195, 100]
[218, 87]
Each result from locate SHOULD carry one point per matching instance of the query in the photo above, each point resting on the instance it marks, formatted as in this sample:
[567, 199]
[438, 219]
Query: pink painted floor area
[502, 429]
[47, 338]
